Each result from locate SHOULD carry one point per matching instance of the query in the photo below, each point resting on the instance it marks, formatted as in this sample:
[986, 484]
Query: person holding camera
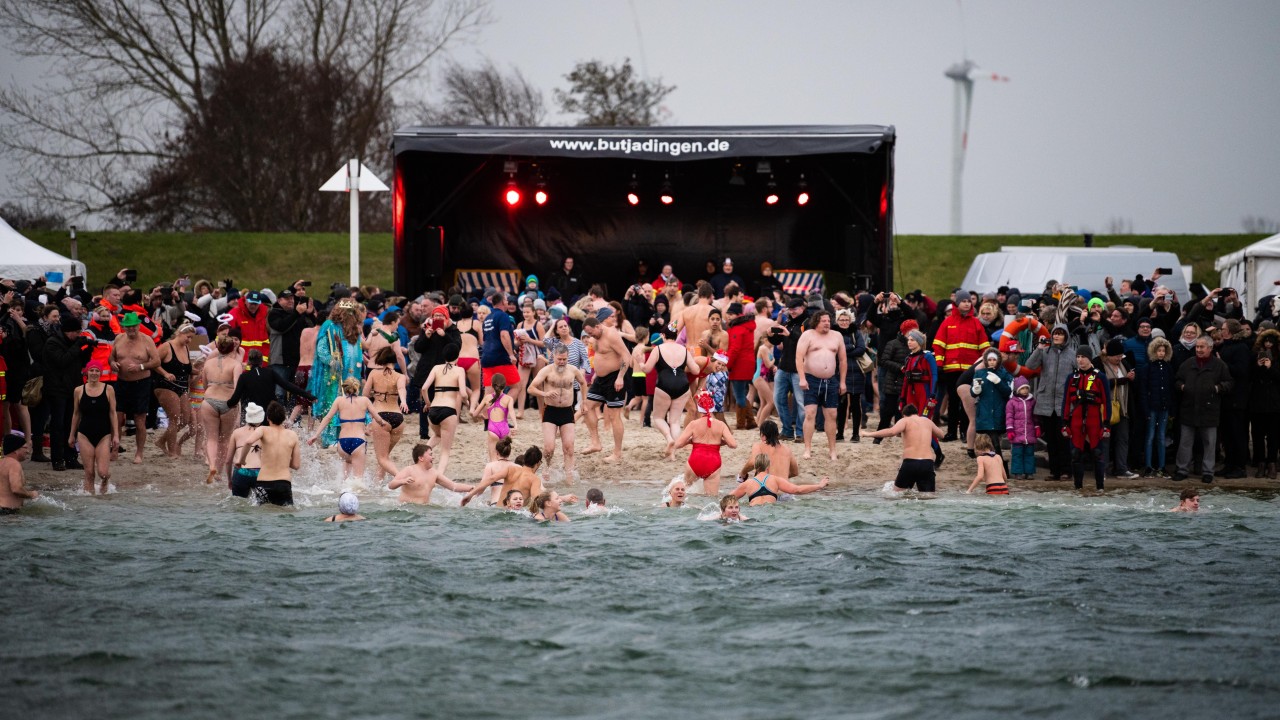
[1055, 358]
[291, 313]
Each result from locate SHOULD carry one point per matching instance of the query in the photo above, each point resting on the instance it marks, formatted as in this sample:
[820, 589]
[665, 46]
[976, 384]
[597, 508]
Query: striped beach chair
[472, 279]
[800, 282]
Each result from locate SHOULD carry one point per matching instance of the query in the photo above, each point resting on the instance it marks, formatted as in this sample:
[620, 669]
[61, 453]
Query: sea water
[185, 603]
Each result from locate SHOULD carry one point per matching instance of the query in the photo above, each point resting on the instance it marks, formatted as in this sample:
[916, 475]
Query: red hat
[440, 310]
[1014, 348]
[907, 326]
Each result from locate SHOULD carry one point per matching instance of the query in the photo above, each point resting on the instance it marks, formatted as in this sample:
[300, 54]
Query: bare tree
[30, 217]
[1118, 225]
[484, 95]
[127, 73]
[608, 95]
[1259, 225]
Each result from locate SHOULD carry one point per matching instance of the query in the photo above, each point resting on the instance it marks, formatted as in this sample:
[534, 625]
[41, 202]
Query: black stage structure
[450, 212]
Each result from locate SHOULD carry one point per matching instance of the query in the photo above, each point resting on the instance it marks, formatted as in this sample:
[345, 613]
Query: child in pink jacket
[1020, 419]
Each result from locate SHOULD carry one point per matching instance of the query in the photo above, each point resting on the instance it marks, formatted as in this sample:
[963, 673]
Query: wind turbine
[962, 73]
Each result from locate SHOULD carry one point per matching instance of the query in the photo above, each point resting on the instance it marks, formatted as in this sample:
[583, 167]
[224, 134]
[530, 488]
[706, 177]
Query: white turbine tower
[962, 73]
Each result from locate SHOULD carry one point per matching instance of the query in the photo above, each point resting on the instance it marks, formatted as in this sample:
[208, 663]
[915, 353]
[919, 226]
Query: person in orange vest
[958, 344]
[251, 318]
[1086, 418]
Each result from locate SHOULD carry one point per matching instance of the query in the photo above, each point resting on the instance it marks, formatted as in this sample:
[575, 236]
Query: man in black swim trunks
[554, 385]
[917, 449]
[611, 363]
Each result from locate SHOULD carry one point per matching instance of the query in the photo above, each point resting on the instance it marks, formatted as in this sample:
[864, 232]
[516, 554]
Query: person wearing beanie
[1086, 412]
[245, 476]
[920, 382]
[1055, 359]
[889, 367]
[348, 508]
[957, 345]
[1203, 381]
[1121, 376]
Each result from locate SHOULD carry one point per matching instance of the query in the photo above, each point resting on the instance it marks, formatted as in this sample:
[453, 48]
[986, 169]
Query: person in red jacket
[1086, 413]
[251, 318]
[104, 327]
[959, 343]
[742, 361]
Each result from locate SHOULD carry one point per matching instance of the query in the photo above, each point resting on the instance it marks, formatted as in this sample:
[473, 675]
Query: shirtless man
[694, 319]
[13, 490]
[553, 385]
[917, 449]
[280, 457]
[133, 357]
[416, 481]
[782, 462]
[521, 475]
[606, 391]
[820, 363]
[764, 318]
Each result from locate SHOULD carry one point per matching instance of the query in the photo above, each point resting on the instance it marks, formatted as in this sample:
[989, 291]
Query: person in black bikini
[450, 382]
[96, 427]
[553, 386]
[170, 383]
[387, 389]
[670, 362]
[765, 488]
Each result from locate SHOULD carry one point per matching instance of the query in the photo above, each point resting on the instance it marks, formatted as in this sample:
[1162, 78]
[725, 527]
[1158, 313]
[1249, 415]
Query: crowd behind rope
[1121, 381]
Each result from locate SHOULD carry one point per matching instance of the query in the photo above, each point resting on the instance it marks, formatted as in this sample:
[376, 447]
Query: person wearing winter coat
[992, 385]
[1202, 381]
[959, 343]
[855, 346]
[1120, 378]
[1086, 412]
[1155, 387]
[1234, 427]
[1020, 421]
[1055, 358]
[890, 365]
[1264, 413]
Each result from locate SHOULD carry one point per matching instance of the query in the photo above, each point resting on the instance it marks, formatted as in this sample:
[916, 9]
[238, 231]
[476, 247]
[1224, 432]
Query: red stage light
[513, 195]
[633, 198]
[771, 199]
[540, 197]
[666, 199]
[802, 198]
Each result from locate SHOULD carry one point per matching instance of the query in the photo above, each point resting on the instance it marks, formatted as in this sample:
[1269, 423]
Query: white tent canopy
[22, 259]
[1253, 271]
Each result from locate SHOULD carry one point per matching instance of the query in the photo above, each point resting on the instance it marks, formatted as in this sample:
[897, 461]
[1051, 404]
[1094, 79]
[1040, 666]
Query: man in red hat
[249, 316]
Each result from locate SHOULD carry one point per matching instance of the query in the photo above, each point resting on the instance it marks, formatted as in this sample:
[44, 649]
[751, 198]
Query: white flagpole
[353, 188]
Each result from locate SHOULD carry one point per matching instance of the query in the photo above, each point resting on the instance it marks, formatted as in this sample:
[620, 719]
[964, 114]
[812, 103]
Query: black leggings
[1266, 437]
[889, 413]
[850, 406]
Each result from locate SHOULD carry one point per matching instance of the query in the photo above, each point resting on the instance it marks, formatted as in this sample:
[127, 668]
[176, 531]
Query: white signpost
[354, 178]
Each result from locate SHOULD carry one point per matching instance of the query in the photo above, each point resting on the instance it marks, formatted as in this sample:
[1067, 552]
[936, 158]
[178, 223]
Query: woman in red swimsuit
[704, 460]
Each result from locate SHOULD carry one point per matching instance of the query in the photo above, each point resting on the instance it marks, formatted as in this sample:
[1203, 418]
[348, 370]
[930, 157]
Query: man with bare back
[281, 455]
[133, 357]
[820, 363]
[606, 390]
[694, 320]
[917, 449]
[13, 489]
[553, 385]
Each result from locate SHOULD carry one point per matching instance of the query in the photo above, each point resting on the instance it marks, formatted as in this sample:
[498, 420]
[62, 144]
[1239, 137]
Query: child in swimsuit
[496, 428]
[357, 409]
[990, 468]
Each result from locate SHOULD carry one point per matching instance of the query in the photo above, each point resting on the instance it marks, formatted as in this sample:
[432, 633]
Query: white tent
[22, 259]
[1253, 271]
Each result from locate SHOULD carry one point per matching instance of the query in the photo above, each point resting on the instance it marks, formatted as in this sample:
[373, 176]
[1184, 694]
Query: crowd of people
[1106, 382]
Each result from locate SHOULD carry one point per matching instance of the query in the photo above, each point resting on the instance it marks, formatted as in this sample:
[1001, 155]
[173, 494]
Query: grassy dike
[934, 263]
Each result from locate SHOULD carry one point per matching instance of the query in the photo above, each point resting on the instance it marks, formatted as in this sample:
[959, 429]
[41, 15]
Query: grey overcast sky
[1164, 113]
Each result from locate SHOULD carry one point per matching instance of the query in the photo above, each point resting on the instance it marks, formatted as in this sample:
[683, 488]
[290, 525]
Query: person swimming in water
[730, 510]
[595, 501]
[348, 509]
[546, 507]
[1188, 501]
[675, 493]
[765, 486]
[515, 501]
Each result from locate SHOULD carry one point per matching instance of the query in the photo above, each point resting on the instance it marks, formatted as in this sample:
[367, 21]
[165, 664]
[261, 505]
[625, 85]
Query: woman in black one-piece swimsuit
[171, 387]
[95, 428]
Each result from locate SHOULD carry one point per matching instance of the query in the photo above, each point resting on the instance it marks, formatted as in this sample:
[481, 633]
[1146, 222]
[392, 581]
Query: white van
[1029, 268]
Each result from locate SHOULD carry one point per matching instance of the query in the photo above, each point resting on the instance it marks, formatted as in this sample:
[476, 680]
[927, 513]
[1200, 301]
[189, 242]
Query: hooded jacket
[741, 350]
[1019, 415]
[254, 332]
[960, 340]
[891, 360]
[990, 402]
[1155, 384]
[1055, 364]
